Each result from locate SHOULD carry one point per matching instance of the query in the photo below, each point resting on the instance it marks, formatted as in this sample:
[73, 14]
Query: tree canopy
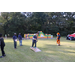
[31, 22]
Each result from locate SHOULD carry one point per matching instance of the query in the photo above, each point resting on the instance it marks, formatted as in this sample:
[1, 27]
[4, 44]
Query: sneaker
[34, 47]
[21, 45]
[4, 55]
[1, 56]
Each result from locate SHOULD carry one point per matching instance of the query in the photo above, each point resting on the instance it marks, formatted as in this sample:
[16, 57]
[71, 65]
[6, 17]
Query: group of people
[34, 41]
[20, 40]
[2, 43]
[15, 40]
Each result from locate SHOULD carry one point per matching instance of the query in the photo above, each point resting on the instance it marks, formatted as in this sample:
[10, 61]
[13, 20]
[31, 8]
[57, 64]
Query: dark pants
[2, 50]
[33, 44]
[15, 44]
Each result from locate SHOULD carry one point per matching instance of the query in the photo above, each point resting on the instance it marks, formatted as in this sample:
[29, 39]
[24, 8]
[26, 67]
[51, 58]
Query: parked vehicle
[71, 36]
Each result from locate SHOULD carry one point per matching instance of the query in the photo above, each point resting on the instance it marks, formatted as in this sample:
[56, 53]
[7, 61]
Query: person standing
[5, 36]
[20, 39]
[34, 40]
[15, 40]
[2, 44]
[58, 39]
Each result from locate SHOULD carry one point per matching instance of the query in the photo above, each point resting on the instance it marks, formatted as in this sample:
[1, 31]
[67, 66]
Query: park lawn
[50, 52]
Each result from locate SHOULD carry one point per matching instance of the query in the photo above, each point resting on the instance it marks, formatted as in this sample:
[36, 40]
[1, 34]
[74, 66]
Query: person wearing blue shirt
[15, 40]
[20, 39]
[34, 40]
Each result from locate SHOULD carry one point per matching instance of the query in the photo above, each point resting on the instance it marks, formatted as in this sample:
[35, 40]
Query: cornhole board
[35, 49]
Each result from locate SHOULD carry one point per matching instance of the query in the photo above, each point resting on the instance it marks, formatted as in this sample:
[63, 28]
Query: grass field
[50, 52]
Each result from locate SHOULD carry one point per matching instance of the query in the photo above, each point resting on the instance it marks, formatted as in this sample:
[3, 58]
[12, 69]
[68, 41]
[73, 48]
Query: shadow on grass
[60, 48]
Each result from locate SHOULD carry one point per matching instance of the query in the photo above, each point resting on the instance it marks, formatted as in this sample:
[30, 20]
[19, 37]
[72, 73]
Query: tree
[39, 18]
[3, 19]
[15, 24]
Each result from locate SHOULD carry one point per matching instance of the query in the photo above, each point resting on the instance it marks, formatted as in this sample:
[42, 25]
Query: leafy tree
[48, 22]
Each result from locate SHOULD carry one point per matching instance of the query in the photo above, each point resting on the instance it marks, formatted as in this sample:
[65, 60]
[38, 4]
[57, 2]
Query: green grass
[50, 52]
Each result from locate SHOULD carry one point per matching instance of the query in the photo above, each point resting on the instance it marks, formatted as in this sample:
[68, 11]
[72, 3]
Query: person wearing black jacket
[2, 44]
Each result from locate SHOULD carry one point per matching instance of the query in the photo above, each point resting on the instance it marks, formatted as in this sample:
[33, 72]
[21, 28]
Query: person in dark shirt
[15, 40]
[20, 39]
[2, 44]
[34, 40]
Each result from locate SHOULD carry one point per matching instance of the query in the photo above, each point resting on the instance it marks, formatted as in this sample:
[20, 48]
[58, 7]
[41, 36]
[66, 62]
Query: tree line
[48, 22]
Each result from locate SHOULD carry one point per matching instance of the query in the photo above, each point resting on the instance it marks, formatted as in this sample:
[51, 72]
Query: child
[34, 40]
[2, 44]
[58, 39]
[5, 36]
